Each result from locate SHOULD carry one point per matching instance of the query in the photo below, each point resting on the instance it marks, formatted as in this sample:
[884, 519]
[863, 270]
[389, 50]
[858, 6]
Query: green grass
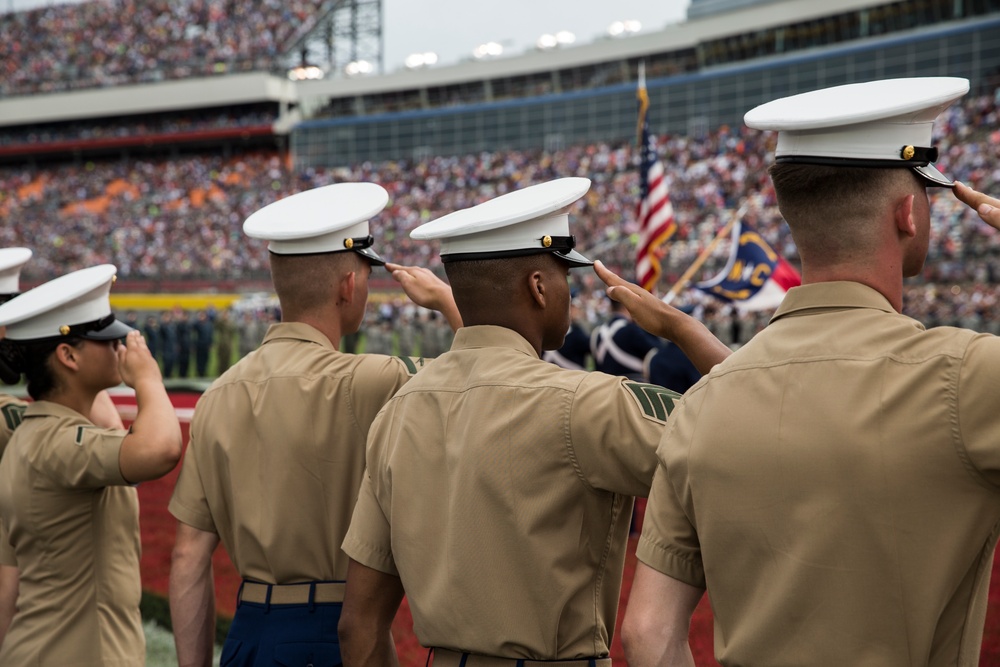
[160, 650]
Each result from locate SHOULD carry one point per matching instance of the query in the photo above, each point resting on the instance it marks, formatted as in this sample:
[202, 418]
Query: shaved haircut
[307, 282]
[831, 210]
[480, 283]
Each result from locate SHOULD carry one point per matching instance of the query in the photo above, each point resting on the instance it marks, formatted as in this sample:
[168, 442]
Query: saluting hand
[420, 284]
[136, 362]
[427, 290]
[648, 311]
[987, 207]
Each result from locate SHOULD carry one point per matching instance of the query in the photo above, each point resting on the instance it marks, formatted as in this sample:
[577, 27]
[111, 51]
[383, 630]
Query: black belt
[445, 658]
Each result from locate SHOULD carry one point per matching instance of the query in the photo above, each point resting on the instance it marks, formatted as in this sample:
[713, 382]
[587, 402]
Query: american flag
[655, 214]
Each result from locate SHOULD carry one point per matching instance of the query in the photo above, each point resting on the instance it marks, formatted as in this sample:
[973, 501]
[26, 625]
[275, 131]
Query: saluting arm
[192, 595]
[427, 290]
[153, 446]
[663, 320]
[370, 603]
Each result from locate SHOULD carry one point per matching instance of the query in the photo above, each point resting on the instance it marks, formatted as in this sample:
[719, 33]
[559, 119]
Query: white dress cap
[523, 222]
[11, 262]
[330, 218]
[72, 305]
[875, 124]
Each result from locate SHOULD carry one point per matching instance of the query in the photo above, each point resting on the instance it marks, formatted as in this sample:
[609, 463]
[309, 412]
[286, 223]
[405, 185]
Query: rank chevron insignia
[13, 414]
[656, 401]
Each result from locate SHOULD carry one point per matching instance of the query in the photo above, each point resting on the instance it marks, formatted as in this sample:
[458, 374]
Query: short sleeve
[614, 426]
[188, 503]
[669, 541]
[368, 539]
[979, 421]
[82, 456]
[376, 379]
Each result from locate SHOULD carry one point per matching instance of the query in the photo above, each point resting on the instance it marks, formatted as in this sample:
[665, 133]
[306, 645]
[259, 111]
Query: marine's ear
[346, 288]
[536, 287]
[902, 215]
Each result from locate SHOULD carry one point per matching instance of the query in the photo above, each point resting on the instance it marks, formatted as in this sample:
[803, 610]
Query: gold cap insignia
[908, 152]
[114, 279]
[64, 330]
[348, 243]
[547, 241]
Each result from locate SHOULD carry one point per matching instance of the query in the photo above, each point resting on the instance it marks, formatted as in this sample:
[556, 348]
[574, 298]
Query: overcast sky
[453, 28]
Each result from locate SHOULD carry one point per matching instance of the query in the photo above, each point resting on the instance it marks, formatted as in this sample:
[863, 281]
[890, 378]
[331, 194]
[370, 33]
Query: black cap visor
[371, 256]
[102, 329]
[574, 259]
[930, 174]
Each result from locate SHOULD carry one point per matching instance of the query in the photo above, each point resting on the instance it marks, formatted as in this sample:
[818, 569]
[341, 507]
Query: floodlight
[358, 67]
[417, 60]
[305, 72]
[487, 50]
[624, 28]
[546, 42]
[564, 37]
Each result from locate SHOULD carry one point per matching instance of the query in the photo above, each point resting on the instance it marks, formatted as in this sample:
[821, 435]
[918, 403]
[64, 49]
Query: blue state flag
[755, 277]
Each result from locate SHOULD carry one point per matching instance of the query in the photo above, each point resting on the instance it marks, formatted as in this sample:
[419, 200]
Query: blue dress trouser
[287, 635]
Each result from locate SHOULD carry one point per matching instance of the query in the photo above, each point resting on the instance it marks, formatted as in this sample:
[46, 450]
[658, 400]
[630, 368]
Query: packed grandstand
[167, 215]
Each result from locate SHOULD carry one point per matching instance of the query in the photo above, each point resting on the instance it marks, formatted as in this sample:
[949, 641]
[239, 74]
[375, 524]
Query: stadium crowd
[181, 218]
[66, 46]
[141, 126]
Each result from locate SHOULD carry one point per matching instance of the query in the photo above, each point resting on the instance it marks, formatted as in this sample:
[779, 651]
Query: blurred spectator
[112, 42]
[202, 335]
[619, 345]
[252, 328]
[181, 218]
[668, 367]
[182, 325]
[168, 343]
[379, 338]
[151, 330]
[224, 333]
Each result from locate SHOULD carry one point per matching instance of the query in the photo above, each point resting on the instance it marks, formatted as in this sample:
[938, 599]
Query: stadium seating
[180, 218]
[73, 46]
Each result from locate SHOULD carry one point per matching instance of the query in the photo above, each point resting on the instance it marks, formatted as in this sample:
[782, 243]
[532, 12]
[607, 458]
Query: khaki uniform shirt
[277, 453]
[500, 490]
[11, 413]
[73, 523]
[836, 483]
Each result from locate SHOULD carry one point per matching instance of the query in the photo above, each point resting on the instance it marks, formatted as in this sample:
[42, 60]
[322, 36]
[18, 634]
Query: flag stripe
[654, 212]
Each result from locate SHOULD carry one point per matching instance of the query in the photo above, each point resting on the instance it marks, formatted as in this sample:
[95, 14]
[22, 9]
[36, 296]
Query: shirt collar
[831, 295]
[491, 336]
[50, 409]
[297, 331]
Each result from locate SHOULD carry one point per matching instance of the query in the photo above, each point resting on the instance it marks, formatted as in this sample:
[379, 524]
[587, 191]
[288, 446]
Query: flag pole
[643, 103]
[703, 257]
